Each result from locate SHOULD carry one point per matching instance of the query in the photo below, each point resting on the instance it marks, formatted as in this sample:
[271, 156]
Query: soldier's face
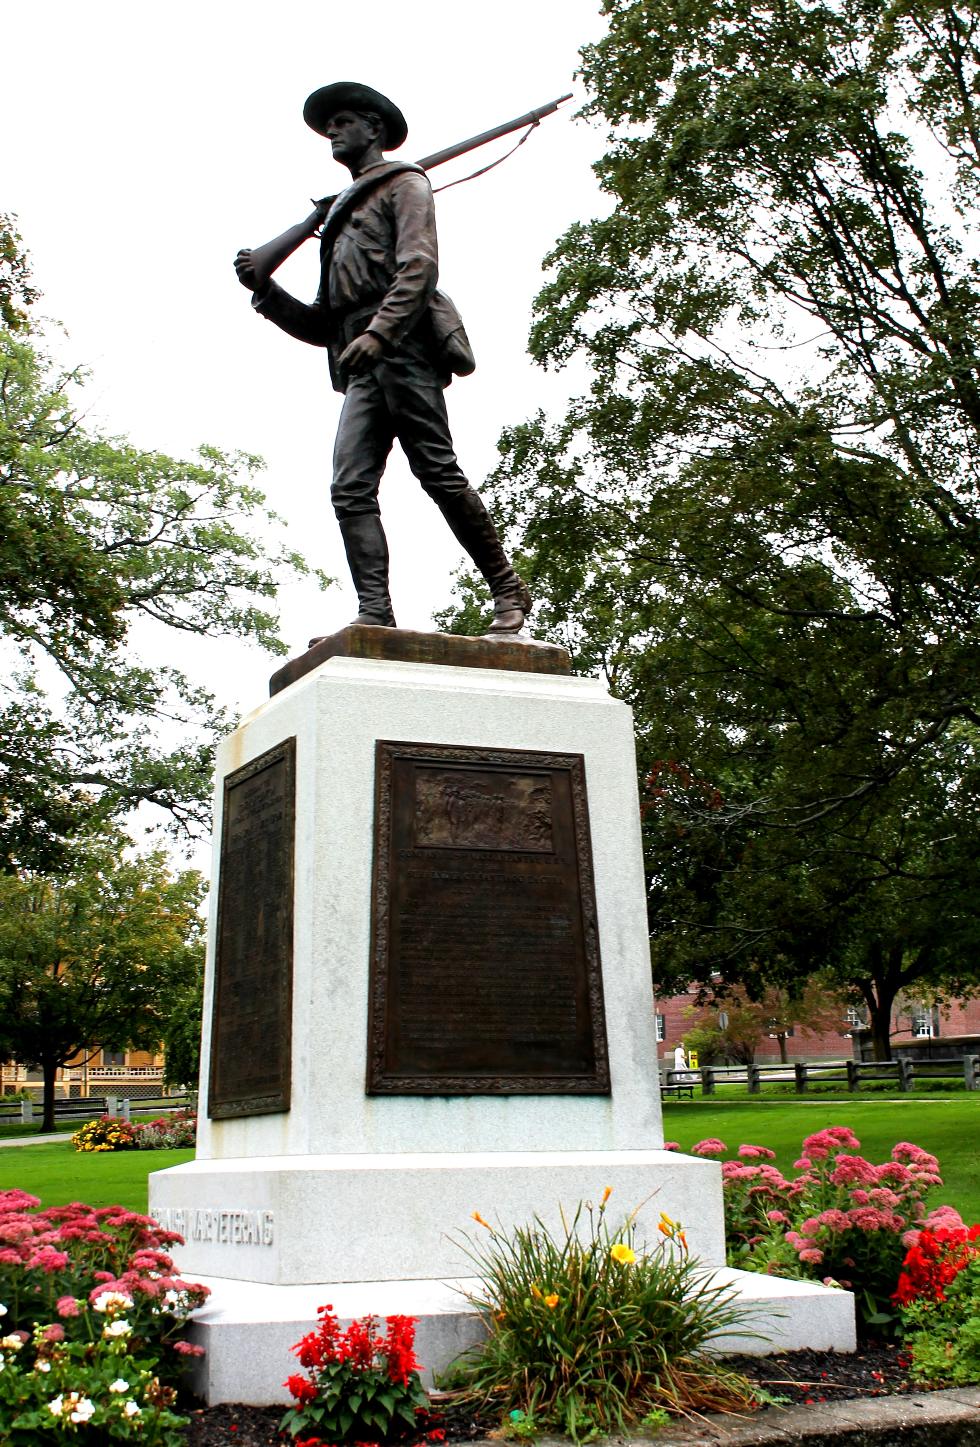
[350, 135]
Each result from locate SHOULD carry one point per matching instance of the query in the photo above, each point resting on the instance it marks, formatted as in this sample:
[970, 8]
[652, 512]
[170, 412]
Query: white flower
[119, 1327]
[11, 1343]
[119, 1385]
[2, 1363]
[42, 1366]
[56, 1405]
[131, 1409]
[84, 1409]
[112, 1301]
[3, 1309]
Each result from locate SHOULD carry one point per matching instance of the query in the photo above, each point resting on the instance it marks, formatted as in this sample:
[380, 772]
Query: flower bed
[841, 1219]
[588, 1334]
[92, 1315]
[360, 1385]
[113, 1133]
[938, 1294]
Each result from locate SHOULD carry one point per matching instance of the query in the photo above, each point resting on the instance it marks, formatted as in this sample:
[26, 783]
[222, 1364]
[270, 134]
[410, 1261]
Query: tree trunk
[879, 1002]
[783, 1052]
[50, 1070]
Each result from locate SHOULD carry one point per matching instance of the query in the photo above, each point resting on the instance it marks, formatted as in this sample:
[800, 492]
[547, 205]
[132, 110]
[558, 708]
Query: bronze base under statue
[402, 645]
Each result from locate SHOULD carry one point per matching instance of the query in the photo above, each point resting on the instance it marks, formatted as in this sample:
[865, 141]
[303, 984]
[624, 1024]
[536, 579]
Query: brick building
[675, 1017]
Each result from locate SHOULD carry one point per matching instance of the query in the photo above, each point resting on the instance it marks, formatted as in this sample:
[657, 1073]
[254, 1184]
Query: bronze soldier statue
[393, 342]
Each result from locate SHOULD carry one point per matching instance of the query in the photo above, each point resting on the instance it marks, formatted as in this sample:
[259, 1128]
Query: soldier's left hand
[362, 354]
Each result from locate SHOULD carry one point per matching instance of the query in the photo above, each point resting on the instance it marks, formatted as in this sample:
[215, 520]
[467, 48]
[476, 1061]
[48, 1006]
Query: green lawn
[949, 1128]
[58, 1173]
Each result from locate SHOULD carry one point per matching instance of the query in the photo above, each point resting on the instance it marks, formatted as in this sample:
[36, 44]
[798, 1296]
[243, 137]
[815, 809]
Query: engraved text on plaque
[251, 1026]
[485, 972]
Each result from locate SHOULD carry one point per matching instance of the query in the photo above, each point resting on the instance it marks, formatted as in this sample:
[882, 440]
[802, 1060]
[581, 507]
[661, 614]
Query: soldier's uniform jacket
[379, 268]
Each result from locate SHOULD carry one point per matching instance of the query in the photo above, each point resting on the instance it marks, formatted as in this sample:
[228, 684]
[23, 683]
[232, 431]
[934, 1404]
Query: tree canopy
[96, 955]
[761, 520]
[99, 541]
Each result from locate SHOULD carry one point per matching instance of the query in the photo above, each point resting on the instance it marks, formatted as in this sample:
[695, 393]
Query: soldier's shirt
[386, 254]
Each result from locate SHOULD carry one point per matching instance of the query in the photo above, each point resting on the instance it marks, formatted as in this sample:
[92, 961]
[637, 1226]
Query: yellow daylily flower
[622, 1253]
[551, 1300]
[478, 1218]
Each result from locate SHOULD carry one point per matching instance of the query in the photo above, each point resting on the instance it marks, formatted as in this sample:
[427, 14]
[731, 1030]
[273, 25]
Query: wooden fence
[88, 1108]
[803, 1075]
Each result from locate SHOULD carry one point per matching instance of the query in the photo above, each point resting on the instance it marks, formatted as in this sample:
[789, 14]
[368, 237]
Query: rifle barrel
[461, 147]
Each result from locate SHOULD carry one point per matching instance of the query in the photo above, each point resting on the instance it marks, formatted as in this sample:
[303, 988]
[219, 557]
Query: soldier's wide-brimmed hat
[349, 95]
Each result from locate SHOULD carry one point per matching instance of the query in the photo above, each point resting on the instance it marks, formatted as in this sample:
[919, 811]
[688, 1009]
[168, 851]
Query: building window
[922, 1022]
[661, 1028]
[854, 1016]
[114, 1057]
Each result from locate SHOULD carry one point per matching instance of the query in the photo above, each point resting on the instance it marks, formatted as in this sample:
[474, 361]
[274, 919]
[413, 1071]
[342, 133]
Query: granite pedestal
[359, 1198]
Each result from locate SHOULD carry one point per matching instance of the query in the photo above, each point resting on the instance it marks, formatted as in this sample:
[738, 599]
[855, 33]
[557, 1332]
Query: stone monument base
[288, 1221]
[427, 994]
[247, 1330]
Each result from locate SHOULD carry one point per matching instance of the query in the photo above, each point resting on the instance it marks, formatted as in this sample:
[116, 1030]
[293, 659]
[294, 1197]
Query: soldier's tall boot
[473, 527]
[367, 556]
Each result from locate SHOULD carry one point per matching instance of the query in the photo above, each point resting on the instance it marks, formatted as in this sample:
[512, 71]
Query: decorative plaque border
[382, 1080]
[226, 1103]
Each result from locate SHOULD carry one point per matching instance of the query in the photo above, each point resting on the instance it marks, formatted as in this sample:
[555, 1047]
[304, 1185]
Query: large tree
[761, 522]
[95, 955]
[98, 538]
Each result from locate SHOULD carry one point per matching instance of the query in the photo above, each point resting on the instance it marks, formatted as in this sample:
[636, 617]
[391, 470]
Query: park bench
[679, 1083]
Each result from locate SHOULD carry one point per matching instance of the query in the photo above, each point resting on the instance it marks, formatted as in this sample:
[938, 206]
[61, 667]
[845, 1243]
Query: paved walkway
[33, 1140]
[927, 1419]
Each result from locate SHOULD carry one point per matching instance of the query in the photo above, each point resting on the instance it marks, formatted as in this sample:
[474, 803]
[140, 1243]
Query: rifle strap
[484, 169]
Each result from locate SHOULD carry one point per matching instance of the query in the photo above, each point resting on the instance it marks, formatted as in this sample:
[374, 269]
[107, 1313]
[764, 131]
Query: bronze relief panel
[251, 1031]
[485, 970]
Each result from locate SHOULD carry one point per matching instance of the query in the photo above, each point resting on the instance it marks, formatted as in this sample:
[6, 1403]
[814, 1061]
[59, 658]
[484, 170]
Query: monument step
[247, 1329]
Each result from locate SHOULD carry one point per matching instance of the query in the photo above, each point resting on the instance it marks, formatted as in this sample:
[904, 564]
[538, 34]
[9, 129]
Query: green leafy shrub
[107, 1133]
[587, 1335]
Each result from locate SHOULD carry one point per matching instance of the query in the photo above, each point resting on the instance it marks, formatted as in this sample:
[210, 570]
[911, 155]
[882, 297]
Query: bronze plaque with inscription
[251, 1027]
[485, 972]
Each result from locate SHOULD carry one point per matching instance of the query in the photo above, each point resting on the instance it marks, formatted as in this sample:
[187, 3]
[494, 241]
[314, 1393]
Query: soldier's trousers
[401, 398]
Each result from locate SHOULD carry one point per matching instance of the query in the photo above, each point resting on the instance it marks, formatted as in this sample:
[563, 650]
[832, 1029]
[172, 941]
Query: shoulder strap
[347, 200]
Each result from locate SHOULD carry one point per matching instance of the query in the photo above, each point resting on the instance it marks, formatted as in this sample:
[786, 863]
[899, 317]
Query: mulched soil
[874, 1371]
[878, 1370]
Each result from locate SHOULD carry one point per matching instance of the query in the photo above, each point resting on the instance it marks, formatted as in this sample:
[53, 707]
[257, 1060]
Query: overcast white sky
[143, 145]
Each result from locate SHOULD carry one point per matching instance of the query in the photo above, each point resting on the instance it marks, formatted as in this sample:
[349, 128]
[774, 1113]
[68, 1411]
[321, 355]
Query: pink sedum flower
[48, 1260]
[853, 1171]
[826, 1142]
[834, 1220]
[712, 1146]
